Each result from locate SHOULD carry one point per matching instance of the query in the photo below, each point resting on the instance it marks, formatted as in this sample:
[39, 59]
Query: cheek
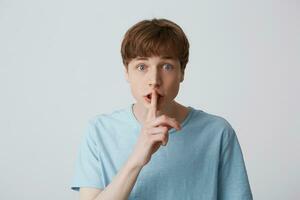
[136, 90]
[173, 91]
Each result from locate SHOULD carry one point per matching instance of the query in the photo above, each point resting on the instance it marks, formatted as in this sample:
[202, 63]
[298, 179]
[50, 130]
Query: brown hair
[156, 37]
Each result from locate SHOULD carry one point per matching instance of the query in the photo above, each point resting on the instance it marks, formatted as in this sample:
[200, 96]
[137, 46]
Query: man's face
[160, 73]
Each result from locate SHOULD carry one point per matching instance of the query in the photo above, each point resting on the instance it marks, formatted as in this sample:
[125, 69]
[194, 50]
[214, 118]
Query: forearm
[122, 183]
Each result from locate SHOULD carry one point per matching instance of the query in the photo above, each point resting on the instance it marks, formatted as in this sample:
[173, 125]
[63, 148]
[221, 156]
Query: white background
[60, 64]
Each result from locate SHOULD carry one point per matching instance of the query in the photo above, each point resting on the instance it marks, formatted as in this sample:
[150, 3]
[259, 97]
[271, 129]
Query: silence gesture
[154, 133]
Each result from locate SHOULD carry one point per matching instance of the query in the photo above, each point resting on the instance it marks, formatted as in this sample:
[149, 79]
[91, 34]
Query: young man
[157, 148]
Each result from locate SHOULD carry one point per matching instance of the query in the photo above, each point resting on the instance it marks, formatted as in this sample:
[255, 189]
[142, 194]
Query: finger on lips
[154, 100]
[162, 120]
[153, 105]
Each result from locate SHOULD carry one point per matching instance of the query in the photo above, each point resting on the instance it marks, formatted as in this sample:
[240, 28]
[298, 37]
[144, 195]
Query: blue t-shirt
[203, 160]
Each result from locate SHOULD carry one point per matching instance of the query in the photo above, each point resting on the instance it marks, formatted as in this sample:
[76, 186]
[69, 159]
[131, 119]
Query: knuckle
[164, 117]
[165, 129]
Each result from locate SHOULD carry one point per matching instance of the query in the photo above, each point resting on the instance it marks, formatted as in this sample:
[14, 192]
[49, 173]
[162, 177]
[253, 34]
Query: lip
[149, 100]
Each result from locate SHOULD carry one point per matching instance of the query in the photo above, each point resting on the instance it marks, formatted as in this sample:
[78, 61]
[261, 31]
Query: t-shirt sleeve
[87, 166]
[233, 179]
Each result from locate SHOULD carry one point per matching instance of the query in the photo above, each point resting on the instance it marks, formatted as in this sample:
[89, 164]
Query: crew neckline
[183, 123]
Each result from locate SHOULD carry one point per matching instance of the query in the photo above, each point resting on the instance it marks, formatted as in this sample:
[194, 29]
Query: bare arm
[119, 188]
[153, 134]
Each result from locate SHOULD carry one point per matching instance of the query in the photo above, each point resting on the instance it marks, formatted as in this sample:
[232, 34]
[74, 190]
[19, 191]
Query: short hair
[156, 37]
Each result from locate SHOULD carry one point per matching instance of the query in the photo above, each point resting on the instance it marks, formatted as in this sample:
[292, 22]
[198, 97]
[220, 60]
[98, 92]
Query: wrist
[134, 164]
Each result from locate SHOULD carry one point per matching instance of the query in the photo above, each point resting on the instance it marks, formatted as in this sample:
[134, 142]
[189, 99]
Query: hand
[154, 133]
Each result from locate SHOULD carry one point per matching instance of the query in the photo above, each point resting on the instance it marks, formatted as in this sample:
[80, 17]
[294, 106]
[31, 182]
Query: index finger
[153, 106]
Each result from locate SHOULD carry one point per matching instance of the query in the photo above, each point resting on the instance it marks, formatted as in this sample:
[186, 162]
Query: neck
[173, 110]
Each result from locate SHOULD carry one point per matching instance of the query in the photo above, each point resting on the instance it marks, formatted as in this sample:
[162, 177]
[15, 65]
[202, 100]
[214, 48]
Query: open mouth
[149, 96]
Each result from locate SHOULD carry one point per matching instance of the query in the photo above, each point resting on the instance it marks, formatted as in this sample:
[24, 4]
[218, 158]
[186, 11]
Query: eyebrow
[163, 57]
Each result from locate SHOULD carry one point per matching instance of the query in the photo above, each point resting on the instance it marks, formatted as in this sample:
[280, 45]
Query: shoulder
[101, 123]
[117, 115]
[212, 123]
[210, 119]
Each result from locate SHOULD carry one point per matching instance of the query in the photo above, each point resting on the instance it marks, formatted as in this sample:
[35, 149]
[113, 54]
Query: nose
[154, 79]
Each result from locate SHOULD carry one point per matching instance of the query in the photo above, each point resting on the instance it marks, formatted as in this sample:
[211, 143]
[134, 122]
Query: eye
[141, 67]
[168, 66]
